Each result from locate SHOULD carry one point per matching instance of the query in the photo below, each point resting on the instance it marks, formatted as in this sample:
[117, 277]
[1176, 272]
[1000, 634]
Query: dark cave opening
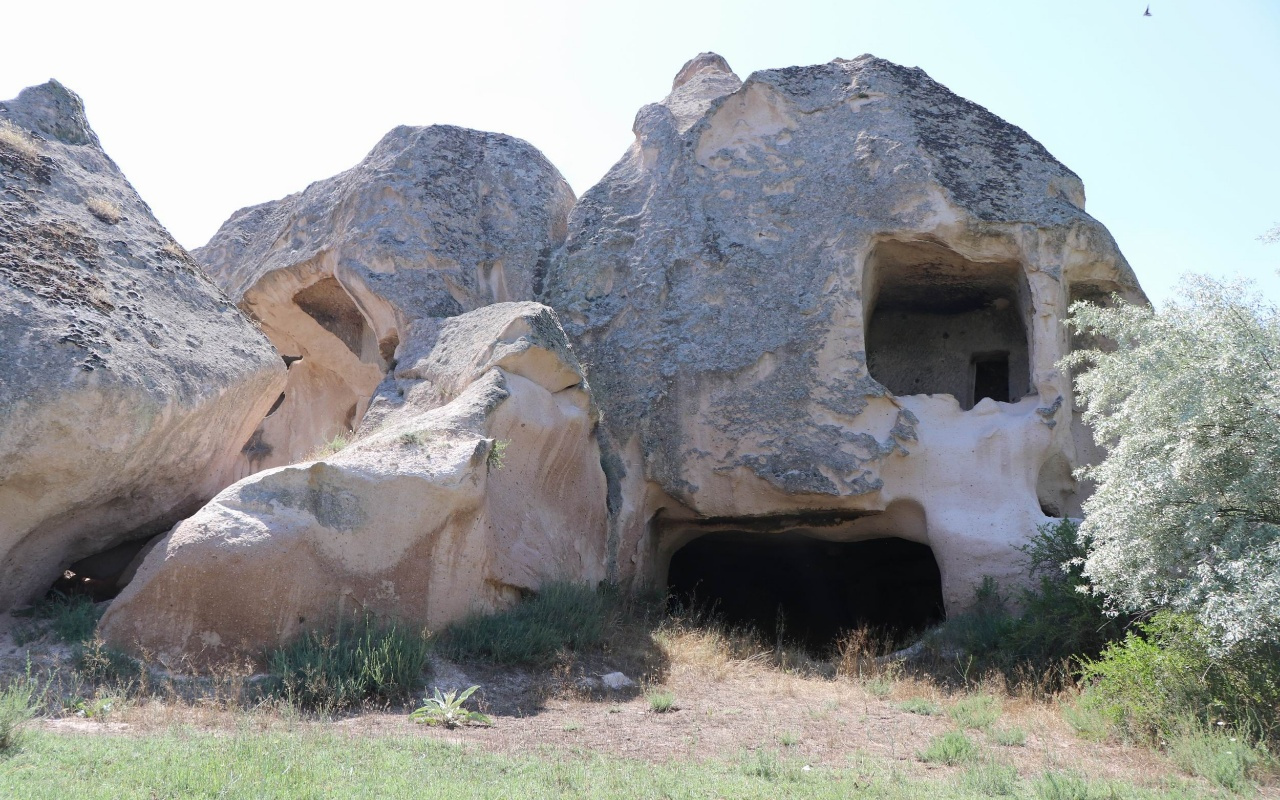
[808, 591]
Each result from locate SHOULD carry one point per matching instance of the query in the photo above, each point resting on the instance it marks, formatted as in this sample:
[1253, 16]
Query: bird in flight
[1147, 13]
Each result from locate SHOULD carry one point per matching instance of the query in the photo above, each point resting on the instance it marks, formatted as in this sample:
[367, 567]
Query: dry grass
[18, 141]
[104, 210]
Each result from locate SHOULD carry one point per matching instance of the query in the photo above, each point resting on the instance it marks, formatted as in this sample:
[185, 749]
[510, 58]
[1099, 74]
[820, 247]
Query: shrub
[918, 705]
[17, 707]
[977, 711]
[335, 672]
[71, 618]
[1215, 756]
[561, 616]
[99, 663]
[1187, 405]
[1008, 737]
[991, 779]
[104, 210]
[497, 454]
[1170, 669]
[951, 748]
[661, 702]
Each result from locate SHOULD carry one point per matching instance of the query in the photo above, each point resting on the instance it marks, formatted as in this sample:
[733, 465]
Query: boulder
[830, 300]
[434, 222]
[479, 482]
[129, 383]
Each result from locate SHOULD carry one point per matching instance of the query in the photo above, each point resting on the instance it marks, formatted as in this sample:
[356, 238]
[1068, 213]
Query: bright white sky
[1173, 120]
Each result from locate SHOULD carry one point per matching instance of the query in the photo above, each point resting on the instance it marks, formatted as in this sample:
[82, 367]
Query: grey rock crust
[128, 380]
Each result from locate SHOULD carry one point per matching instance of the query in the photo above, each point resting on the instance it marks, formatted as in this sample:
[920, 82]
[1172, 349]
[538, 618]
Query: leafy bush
[560, 616]
[1061, 619]
[17, 707]
[71, 618]
[950, 748]
[1187, 404]
[1171, 670]
[371, 662]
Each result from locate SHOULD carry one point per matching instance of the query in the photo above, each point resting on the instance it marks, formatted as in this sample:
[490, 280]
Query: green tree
[1186, 515]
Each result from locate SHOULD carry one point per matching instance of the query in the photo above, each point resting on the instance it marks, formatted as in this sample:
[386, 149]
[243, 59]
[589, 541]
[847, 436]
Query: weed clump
[336, 672]
[952, 748]
[17, 707]
[70, 618]
[561, 616]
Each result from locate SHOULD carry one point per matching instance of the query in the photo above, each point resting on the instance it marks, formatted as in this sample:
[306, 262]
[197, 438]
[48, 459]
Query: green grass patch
[1218, 757]
[660, 702]
[1008, 737]
[990, 779]
[921, 706]
[17, 707]
[561, 616]
[309, 762]
[975, 711]
[367, 663]
[70, 618]
[951, 748]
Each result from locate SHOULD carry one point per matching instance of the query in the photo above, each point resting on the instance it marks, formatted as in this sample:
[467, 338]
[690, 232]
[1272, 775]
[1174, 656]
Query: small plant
[17, 707]
[1008, 737]
[788, 738]
[921, 706]
[104, 210]
[950, 748]
[975, 711]
[880, 686]
[339, 671]
[446, 709]
[1215, 756]
[660, 702]
[96, 708]
[1070, 786]
[561, 616]
[70, 618]
[764, 764]
[497, 453]
[100, 663]
[415, 438]
[331, 447]
[990, 779]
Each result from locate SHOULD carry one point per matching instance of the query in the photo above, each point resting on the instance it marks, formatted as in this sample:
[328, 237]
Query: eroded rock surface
[434, 222]
[129, 383]
[481, 479]
[829, 299]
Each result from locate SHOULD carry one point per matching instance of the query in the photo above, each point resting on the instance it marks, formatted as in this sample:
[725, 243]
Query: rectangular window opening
[991, 377]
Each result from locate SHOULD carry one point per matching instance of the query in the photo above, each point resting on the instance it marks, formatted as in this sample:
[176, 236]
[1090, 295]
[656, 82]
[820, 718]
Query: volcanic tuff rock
[128, 382]
[434, 222]
[784, 293]
[482, 482]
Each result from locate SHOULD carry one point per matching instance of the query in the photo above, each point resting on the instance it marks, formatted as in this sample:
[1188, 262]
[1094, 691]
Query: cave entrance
[938, 323]
[806, 590]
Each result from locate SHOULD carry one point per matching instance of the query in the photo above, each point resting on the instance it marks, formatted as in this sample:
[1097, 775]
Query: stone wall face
[723, 280]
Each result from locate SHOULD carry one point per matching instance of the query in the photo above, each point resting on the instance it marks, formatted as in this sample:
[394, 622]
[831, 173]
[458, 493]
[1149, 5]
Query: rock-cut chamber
[939, 323]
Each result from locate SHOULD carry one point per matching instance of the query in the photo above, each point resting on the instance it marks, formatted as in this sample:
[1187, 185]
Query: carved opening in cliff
[939, 323]
[806, 590]
[328, 303]
[103, 575]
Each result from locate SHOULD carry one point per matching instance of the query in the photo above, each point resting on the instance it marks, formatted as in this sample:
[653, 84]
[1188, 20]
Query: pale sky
[1172, 120]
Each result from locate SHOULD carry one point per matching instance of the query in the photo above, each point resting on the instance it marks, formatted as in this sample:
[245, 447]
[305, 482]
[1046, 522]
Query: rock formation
[829, 300]
[432, 223]
[128, 382]
[481, 480]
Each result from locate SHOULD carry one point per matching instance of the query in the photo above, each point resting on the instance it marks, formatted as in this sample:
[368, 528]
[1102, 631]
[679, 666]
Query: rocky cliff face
[129, 383]
[830, 299]
[482, 483]
[434, 222]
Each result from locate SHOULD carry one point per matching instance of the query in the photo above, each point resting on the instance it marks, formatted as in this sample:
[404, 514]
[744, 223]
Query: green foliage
[951, 748]
[561, 616]
[1008, 737]
[99, 663]
[497, 453]
[1216, 756]
[332, 447]
[415, 438]
[17, 707]
[1070, 786]
[660, 702]
[1170, 670]
[1186, 515]
[446, 709]
[335, 672]
[975, 711]
[1060, 619]
[71, 618]
[991, 779]
[918, 705]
